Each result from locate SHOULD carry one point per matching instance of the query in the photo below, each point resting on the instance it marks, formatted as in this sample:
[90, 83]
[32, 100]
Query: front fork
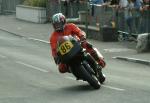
[91, 61]
[97, 68]
[98, 53]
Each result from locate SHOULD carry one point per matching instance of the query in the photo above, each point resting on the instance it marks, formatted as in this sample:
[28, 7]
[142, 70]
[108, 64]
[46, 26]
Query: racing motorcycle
[81, 64]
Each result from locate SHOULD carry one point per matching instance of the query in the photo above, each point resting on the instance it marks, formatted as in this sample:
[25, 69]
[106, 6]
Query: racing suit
[72, 29]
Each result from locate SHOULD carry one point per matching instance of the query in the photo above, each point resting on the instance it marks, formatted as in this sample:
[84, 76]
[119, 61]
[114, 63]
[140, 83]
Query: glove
[57, 60]
[82, 39]
[102, 63]
[86, 45]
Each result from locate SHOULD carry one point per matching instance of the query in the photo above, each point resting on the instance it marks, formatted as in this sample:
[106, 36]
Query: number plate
[65, 47]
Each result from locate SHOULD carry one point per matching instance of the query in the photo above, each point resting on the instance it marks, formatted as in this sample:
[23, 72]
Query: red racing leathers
[72, 29]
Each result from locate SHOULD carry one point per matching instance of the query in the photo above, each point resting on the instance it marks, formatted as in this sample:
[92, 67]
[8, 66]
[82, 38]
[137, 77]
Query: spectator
[114, 2]
[66, 5]
[137, 14]
[129, 17]
[122, 9]
[145, 26]
[146, 4]
[97, 1]
[138, 4]
[126, 8]
[94, 9]
[123, 4]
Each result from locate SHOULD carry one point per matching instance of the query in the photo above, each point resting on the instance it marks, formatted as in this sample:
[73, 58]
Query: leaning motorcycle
[81, 64]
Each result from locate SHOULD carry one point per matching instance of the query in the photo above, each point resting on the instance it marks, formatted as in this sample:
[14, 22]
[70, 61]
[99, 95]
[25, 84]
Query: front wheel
[90, 78]
[101, 77]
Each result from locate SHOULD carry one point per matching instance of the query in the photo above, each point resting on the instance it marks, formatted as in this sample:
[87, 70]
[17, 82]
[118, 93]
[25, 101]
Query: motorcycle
[81, 64]
[125, 36]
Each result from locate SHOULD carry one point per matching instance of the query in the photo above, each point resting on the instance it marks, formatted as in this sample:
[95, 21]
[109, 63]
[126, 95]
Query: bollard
[143, 42]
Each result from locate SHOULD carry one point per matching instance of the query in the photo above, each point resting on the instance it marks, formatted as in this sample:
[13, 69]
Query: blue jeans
[129, 21]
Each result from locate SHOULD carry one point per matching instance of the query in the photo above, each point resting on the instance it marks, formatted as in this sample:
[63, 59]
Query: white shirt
[123, 3]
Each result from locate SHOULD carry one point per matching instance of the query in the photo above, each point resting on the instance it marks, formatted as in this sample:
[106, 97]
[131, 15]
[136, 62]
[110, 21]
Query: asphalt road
[28, 75]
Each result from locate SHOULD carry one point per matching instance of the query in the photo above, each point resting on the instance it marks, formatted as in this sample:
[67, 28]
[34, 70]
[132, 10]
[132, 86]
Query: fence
[110, 16]
[0, 6]
[8, 6]
[97, 15]
[137, 23]
[71, 9]
[53, 6]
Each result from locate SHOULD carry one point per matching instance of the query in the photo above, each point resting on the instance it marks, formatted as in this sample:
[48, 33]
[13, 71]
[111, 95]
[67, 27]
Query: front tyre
[90, 78]
[101, 77]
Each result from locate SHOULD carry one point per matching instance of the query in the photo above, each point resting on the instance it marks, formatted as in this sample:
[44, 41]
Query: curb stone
[145, 62]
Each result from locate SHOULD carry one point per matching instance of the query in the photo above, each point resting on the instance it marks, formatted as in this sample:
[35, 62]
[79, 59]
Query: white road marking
[33, 67]
[106, 86]
[2, 56]
[114, 88]
[67, 77]
[117, 50]
[19, 28]
[39, 40]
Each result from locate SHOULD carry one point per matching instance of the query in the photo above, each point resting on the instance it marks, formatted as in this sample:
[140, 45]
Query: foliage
[35, 3]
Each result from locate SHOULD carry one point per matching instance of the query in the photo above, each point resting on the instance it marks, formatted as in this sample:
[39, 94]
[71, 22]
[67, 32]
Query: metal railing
[9, 6]
[135, 24]
[104, 15]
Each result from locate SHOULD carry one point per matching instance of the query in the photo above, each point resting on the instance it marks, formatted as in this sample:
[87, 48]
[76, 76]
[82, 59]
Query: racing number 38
[65, 47]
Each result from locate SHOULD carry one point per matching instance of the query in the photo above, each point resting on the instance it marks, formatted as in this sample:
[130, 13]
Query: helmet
[58, 21]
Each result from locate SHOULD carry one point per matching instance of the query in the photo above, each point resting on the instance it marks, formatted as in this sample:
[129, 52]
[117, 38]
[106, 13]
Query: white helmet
[58, 21]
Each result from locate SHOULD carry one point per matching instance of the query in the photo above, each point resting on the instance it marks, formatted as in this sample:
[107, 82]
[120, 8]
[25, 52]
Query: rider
[62, 28]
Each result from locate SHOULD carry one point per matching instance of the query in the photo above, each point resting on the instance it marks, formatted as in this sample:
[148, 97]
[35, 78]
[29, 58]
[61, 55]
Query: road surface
[28, 75]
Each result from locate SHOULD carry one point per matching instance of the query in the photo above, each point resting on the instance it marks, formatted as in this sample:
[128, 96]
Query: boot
[94, 53]
[98, 57]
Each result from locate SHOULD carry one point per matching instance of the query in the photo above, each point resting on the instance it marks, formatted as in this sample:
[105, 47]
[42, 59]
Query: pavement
[41, 32]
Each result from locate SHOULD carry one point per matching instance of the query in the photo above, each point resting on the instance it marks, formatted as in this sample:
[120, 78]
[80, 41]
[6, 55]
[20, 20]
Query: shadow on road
[77, 88]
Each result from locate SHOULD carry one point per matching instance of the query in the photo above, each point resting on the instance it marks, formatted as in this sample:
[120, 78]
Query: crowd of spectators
[135, 13]
[132, 13]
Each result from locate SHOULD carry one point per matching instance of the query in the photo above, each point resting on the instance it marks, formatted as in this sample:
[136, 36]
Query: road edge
[145, 62]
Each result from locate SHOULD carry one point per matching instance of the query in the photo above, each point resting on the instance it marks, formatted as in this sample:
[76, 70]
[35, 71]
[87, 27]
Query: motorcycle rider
[61, 28]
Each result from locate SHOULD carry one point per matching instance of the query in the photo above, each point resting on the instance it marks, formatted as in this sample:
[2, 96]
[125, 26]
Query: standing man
[122, 13]
[97, 1]
[137, 15]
